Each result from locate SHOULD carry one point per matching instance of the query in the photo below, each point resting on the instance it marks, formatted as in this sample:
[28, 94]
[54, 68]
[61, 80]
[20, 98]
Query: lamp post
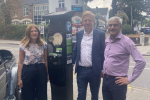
[97, 17]
[131, 15]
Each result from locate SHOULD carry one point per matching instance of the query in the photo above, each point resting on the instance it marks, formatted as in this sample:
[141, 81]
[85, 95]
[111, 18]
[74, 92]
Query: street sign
[68, 26]
[41, 28]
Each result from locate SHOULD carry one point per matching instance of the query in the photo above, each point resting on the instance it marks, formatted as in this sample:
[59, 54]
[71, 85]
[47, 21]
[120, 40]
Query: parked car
[8, 77]
[146, 30]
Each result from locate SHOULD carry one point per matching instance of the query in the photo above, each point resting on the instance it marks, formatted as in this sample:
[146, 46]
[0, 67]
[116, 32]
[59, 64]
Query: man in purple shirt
[117, 57]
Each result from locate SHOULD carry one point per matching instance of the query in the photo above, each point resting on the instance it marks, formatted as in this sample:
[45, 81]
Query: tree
[123, 16]
[147, 7]
[110, 13]
[114, 7]
[138, 6]
[85, 3]
[146, 23]
[8, 9]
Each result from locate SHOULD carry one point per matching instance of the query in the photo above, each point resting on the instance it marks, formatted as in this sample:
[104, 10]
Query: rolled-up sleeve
[45, 45]
[21, 47]
[138, 58]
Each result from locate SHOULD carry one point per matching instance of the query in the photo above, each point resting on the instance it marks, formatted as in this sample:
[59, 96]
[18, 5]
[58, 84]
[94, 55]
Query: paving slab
[139, 94]
[133, 93]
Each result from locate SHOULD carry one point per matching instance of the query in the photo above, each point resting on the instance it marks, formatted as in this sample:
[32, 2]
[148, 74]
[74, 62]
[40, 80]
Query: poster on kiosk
[59, 56]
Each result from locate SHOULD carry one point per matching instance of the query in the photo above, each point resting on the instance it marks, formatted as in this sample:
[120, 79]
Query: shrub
[13, 32]
[16, 32]
[127, 29]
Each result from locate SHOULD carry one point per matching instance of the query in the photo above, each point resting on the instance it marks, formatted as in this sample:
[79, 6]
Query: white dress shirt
[86, 50]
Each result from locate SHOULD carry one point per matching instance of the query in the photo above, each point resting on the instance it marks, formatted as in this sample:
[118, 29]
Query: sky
[100, 3]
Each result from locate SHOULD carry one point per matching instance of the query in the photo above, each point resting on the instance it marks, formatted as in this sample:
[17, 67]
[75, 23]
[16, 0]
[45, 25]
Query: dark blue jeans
[85, 76]
[34, 79]
[112, 91]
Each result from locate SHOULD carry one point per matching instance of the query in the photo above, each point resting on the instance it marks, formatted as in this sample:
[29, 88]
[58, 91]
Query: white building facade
[68, 5]
[63, 5]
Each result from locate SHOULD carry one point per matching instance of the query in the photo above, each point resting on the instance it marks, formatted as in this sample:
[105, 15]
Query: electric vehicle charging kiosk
[59, 53]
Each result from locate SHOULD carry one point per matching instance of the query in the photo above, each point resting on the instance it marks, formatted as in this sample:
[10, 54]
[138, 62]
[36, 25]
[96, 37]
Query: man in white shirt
[88, 54]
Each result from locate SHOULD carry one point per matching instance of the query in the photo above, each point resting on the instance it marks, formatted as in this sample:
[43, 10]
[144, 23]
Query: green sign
[58, 49]
[69, 43]
[53, 54]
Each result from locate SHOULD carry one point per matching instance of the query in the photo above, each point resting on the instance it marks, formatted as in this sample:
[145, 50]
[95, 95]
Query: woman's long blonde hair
[26, 39]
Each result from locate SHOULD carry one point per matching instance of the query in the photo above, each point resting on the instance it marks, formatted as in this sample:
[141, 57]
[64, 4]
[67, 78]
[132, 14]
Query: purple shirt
[117, 57]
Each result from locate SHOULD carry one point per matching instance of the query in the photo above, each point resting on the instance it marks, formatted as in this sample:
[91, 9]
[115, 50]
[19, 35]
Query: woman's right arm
[20, 66]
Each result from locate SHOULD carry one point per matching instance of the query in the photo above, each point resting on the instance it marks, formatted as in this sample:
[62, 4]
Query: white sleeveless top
[34, 53]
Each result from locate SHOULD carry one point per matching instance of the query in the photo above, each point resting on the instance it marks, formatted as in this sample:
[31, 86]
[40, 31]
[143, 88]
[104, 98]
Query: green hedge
[14, 32]
[127, 29]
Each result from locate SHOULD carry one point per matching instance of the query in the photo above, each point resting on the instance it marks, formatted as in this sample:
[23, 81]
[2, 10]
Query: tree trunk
[114, 7]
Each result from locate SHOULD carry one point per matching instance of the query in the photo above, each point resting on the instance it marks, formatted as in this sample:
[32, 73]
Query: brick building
[31, 11]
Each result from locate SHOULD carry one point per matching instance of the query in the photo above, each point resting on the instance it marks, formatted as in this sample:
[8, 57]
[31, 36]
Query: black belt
[108, 76]
[86, 67]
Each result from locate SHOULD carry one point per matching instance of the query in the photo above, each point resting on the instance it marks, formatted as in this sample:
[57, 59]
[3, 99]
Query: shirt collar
[89, 34]
[117, 37]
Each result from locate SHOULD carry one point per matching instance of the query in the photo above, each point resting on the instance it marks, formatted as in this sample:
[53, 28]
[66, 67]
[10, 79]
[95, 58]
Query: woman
[32, 65]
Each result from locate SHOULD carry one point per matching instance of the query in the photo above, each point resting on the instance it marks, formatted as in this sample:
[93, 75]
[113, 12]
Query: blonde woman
[32, 65]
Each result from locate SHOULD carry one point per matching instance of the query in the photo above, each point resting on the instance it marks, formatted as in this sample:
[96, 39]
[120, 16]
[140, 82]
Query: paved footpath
[133, 93]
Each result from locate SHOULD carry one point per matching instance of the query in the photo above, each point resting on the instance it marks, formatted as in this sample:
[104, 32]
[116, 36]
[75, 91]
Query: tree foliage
[146, 23]
[147, 7]
[8, 9]
[110, 13]
[124, 16]
[138, 6]
[114, 7]
[127, 29]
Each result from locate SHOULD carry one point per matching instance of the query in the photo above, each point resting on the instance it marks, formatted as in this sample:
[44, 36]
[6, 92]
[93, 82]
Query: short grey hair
[115, 18]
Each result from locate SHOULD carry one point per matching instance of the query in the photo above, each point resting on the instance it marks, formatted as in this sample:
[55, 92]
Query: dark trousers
[34, 79]
[112, 91]
[85, 75]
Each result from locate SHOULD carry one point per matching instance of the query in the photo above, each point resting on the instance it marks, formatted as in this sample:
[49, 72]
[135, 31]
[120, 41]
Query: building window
[25, 11]
[39, 11]
[16, 23]
[76, 1]
[26, 22]
[61, 3]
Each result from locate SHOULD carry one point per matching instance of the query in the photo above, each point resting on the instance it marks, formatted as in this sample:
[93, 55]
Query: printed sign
[41, 28]
[77, 8]
[57, 39]
[51, 39]
[58, 49]
[68, 26]
[69, 48]
[52, 54]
